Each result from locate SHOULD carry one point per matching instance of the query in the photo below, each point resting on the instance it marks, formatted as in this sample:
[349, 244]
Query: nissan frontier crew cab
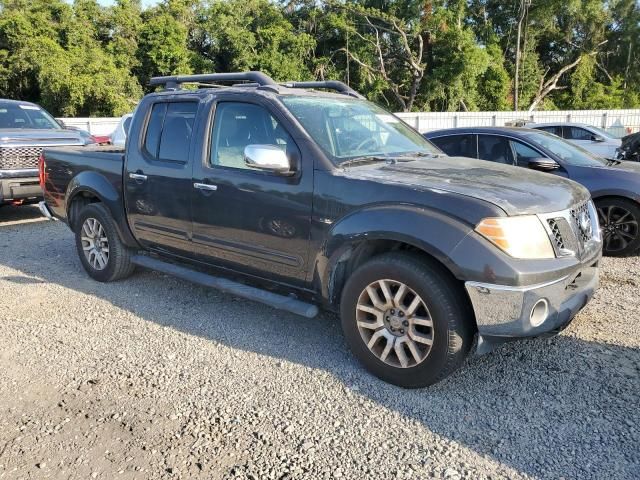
[304, 195]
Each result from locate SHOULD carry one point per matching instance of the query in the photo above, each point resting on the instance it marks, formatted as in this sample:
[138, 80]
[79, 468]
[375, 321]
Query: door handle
[205, 186]
[138, 176]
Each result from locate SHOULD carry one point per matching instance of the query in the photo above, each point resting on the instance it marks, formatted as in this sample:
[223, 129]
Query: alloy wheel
[95, 244]
[395, 324]
[619, 227]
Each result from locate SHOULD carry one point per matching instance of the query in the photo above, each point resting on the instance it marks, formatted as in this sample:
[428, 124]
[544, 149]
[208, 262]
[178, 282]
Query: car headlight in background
[521, 236]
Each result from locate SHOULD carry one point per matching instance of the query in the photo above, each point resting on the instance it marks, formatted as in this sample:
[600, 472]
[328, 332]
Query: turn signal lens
[521, 236]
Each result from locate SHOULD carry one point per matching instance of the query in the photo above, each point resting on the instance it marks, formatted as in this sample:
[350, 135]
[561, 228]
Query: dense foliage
[80, 58]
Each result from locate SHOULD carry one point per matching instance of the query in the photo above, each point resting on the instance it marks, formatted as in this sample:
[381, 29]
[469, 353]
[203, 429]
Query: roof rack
[328, 84]
[251, 79]
[173, 82]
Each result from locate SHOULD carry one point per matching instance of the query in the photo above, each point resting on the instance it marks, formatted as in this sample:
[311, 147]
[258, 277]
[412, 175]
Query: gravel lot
[156, 378]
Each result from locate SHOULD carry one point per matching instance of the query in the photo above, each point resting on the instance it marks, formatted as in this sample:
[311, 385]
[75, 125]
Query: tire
[619, 220]
[104, 266]
[442, 302]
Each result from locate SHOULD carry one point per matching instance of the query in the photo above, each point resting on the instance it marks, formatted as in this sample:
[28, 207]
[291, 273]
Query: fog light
[539, 313]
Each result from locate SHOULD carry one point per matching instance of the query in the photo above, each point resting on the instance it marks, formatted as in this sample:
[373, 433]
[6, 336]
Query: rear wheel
[406, 320]
[102, 253]
[619, 220]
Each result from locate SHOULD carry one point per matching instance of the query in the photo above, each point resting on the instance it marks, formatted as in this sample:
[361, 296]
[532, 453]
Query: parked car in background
[324, 199]
[25, 129]
[88, 137]
[631, 147]
[593, 139]
[119, 136]
[614, 184]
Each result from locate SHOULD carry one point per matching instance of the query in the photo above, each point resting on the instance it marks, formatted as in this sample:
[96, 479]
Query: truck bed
[66, 166]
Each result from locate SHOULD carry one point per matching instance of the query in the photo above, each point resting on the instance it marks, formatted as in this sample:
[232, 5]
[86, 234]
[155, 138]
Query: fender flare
[430, 231]
[97, 185]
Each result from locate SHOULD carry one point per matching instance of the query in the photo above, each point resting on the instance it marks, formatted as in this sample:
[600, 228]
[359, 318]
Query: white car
[119, 135]
[593, 139]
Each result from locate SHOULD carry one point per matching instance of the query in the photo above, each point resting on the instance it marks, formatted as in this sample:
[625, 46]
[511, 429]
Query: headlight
[521, 236]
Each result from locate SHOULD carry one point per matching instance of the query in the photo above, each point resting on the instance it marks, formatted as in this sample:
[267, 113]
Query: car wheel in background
[406, 320]
[620, 223]
[102, 253]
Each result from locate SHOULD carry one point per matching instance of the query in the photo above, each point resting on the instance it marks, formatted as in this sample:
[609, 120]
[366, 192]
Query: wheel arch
[368, 233]
[92, 187]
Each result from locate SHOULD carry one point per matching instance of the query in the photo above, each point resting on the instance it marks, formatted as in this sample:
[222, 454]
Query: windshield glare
[569, 152]
[351, 128]
[26, 116]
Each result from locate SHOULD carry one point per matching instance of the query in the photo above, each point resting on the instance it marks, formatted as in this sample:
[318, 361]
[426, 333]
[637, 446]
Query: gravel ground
[155, 378]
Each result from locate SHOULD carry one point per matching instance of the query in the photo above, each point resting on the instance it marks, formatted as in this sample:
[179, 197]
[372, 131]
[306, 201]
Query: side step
[274, 300]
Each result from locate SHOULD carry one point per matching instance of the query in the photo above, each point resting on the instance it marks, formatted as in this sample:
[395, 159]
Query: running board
[274, 300]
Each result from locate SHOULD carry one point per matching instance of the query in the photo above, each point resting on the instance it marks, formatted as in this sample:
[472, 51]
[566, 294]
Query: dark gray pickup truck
[305, 195]
[25, 129]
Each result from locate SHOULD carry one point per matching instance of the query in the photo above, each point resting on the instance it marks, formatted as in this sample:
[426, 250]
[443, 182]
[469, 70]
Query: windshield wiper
[366, 159]
[391, 159]
[611, 161]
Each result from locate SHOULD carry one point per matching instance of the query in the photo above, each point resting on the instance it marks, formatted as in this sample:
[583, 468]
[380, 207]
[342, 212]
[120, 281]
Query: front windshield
[351, 128]
[604, 133]
[17, 115]
[569, 152]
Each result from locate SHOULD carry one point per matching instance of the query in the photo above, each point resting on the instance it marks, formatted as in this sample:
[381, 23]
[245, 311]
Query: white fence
[95, 126]
[619, 122]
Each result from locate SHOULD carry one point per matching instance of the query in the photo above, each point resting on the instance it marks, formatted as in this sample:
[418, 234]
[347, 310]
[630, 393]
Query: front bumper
[504, 313]
[19, 185]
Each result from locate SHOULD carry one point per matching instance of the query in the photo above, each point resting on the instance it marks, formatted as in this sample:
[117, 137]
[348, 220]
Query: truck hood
[37, 137]
[515, 190]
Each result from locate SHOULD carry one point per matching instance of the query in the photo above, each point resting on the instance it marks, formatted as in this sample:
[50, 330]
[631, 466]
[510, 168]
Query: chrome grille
[12, 158]
[582, 222]
[571, 231]
[555, 232]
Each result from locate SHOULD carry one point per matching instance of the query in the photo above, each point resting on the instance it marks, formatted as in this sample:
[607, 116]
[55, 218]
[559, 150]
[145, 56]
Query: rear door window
[577, 133]
[495, 149]
[169, 130]
[457, 145]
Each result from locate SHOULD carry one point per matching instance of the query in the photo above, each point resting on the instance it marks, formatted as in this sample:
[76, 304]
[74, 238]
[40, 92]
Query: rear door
[252, 221]
[158, 176]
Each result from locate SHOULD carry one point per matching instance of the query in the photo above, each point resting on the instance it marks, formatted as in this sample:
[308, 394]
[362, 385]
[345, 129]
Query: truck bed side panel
[95, 172]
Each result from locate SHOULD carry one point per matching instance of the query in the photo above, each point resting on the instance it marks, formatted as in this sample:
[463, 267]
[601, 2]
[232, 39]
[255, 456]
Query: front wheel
[406, 320]
[619, 220]
[102, 253]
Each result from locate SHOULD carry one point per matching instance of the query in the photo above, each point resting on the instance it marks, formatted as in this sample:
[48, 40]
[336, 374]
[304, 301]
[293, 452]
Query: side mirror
[269, 158]
[597, 138]
[543, 164]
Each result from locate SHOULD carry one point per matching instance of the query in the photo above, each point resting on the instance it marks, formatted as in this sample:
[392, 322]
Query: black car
[324, 199]
[614, 184]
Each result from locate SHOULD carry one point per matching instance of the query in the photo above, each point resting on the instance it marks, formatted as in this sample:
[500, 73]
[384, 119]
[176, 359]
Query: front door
[252, 221]
[158, 178]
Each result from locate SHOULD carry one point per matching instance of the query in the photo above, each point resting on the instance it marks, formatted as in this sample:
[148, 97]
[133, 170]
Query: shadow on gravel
[20, 213]
[543, 407]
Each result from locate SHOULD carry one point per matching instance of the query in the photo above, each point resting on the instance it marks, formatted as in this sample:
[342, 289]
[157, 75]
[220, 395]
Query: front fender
[428, 230]
[97, 185]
